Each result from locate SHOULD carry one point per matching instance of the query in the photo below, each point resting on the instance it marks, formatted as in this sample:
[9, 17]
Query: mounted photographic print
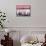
[23, 10]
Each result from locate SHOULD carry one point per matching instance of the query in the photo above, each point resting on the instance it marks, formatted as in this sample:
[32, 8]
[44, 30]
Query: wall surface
[37, 18]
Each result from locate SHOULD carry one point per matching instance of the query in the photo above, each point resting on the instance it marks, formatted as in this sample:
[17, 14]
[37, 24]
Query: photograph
[23, 10]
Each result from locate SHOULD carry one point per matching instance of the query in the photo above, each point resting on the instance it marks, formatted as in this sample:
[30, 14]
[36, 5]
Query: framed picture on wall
[23, 10]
